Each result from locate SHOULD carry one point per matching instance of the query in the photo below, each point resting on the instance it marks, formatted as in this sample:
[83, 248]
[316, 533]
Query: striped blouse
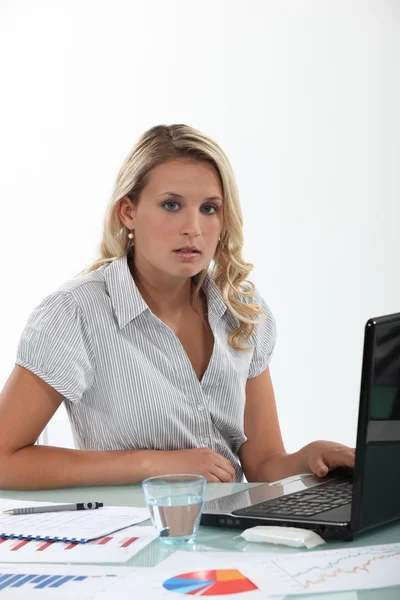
[125, 377]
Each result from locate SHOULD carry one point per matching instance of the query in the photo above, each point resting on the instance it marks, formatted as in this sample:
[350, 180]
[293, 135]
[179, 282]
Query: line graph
[353, 571]
[377, 554]
[327, 571]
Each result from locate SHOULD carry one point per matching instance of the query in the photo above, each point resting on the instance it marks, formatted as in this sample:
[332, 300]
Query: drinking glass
[175, 503]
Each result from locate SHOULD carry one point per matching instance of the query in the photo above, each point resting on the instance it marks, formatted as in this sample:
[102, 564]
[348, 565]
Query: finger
[343, 459]
[350, 459]
[223, 463]
[230, 473]
[319, 467]
[223, 475]
[213, 479]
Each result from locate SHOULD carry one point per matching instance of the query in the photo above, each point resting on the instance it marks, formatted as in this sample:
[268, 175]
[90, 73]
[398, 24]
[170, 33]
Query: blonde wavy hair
[159, 145]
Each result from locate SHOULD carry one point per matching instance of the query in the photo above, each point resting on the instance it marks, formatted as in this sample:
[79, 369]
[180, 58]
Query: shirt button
[206, 441]
[200, 406]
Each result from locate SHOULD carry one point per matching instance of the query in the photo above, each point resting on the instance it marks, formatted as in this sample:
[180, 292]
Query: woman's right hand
[201, 461]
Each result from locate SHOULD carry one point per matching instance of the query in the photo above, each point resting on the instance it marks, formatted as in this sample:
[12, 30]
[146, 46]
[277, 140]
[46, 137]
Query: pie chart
[210, 583]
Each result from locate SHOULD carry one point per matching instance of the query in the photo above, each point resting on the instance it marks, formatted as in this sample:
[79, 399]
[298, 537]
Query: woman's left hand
[321, 456]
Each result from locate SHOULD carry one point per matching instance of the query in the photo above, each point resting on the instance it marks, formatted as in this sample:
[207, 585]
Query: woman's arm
[27, 404]
[263, 455]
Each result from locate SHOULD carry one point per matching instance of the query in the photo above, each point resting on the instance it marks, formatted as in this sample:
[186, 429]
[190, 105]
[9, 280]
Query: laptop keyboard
[305, 503]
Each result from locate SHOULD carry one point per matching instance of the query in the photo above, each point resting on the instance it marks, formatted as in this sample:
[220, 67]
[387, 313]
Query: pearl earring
[131, 236]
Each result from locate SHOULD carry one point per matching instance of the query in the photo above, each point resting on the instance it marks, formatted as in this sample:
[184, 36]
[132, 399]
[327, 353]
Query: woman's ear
[126, 212]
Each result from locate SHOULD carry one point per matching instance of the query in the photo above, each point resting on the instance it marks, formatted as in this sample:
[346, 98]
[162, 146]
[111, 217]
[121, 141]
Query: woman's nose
[191, 225]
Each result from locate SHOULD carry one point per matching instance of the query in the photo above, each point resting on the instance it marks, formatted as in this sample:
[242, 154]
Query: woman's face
[181, 205]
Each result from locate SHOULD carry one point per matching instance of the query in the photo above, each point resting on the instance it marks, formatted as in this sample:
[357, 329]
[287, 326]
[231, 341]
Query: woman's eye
[213, 208]
[169, 203]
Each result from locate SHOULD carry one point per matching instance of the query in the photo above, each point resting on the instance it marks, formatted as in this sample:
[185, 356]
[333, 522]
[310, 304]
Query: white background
[304, 98]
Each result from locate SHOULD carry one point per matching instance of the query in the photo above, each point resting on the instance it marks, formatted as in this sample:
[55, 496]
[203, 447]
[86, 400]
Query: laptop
[345, 502]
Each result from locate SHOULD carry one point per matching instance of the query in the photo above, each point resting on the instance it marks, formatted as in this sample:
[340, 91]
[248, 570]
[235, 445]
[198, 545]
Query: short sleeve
[264, 339]
[56, 346]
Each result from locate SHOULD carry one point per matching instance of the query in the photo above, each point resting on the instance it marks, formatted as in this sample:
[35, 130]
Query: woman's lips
[186, 255]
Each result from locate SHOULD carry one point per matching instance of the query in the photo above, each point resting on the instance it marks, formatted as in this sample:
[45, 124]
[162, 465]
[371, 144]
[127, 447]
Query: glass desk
[210, 538]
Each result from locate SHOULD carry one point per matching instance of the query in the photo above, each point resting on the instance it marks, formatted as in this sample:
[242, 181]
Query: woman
[160, 349]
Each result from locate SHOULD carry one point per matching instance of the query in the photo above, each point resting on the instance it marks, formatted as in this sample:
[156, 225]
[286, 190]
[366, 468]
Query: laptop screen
[376, 497]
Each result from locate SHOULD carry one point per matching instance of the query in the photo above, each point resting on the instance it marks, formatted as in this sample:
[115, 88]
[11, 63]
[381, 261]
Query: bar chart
[47, 582]
[116, 548]
[36, 581]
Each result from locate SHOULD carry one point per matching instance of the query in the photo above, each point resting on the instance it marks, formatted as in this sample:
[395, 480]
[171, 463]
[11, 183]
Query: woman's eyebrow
[175, 195]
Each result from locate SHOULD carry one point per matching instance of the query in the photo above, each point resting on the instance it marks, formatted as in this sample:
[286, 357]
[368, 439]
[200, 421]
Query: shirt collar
[128, 302]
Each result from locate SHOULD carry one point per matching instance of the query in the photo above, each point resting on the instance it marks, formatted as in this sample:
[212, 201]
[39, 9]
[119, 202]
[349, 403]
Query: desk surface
[216, 539]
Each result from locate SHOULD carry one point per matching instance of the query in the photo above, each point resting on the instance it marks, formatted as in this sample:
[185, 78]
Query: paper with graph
[190, 574]
[320, 572]
[115, 548]
[57, 582]
[72, 526]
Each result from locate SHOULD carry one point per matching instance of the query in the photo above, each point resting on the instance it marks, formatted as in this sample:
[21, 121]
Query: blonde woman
[160, 349]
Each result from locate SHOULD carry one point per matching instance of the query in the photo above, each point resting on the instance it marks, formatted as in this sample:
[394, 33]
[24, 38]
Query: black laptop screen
[384, 403]
[378, 444]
